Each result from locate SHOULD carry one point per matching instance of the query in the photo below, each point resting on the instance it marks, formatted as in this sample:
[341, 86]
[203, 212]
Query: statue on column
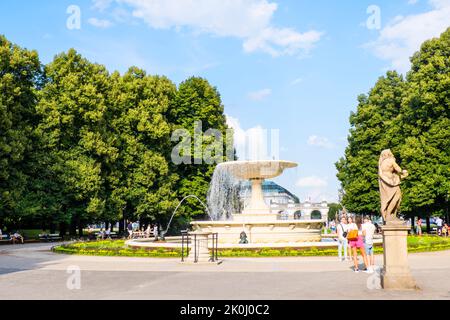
[390, 175]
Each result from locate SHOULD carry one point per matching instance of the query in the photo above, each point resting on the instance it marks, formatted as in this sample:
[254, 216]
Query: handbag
[352, 235]
[344, 233]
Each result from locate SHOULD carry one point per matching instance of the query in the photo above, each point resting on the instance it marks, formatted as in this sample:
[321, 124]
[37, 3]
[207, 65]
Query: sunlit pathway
[32, 272]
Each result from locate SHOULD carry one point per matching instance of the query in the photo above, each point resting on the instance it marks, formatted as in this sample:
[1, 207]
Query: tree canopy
[80, 145]
[411, 117]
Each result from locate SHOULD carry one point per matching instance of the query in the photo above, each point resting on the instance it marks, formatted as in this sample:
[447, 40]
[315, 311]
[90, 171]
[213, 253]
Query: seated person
[44, 235]
[16, 237]
[101, 234]
[108, 233]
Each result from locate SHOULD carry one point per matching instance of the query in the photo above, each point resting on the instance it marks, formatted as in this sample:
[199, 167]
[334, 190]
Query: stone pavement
[33, 272]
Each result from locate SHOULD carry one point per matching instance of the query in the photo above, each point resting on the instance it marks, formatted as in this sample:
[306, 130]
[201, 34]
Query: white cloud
[260, 94]
[296, 81]
[412, 2]
[100, 23]
[248, 20]
[321, 142]
[312, 182]
[403, 36]
[102, 5]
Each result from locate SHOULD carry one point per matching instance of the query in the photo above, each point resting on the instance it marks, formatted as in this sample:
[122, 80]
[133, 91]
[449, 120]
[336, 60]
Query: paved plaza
[33, 272]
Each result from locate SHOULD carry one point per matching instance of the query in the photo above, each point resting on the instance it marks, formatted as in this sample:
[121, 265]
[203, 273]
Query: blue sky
[295, 66]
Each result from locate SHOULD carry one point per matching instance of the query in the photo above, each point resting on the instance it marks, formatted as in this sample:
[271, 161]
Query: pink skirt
[356, 243]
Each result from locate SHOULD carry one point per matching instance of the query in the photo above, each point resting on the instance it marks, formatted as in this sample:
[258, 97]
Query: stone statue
[243, 238]
[389, 177]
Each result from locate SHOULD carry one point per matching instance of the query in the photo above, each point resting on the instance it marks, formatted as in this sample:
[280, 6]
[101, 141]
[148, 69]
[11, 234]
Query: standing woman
[419, 227]
[356, 241]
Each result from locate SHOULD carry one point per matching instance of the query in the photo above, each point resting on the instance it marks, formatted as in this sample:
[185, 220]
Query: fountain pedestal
[257, 204]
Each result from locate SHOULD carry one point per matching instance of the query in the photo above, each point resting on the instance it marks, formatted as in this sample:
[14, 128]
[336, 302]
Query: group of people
[104, 234]
[442, 228]
[147, 232]
[15, 237]
[356, 235]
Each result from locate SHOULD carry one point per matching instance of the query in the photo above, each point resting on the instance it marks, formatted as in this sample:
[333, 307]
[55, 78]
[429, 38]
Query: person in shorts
[419, 227]
[368, 232]
[357, 243]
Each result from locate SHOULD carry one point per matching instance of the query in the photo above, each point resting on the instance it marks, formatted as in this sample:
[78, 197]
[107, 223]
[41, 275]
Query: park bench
[5, 238]
[112, 235]
[49, 237]
[142, 235]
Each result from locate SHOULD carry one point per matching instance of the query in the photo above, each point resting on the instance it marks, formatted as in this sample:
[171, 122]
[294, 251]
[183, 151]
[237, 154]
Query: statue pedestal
[396, 273]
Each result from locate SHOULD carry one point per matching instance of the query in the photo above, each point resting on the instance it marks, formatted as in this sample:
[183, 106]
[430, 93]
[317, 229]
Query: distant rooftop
[272, 187]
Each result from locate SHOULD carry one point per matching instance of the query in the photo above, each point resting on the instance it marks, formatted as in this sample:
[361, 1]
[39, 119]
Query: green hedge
[117, 248]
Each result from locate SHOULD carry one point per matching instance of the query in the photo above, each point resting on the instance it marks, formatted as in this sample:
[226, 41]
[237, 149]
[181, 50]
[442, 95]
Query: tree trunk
[73, 228]
[428, 225]
[121, 226]
[62, 229]
[80, 229]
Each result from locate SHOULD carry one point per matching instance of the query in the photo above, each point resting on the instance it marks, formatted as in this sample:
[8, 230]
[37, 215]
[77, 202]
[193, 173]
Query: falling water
[223, 195]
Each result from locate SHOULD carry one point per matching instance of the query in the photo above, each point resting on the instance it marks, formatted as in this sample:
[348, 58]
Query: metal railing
[186, 240]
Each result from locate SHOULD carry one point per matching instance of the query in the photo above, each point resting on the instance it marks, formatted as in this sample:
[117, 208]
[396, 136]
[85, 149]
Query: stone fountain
[260, 225]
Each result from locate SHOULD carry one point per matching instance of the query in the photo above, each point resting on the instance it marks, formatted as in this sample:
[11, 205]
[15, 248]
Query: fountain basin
[263, 230]
[257, 170]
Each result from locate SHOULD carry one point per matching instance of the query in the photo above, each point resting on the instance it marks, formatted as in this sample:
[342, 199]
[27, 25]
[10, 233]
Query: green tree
[74, 133]
[198, 105]
[426, 128]
[20, 76]
[142, 182]
[334, 209]
[374, 127]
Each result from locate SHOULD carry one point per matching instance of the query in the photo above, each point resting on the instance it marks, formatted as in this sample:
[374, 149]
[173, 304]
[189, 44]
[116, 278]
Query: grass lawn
[117, 248]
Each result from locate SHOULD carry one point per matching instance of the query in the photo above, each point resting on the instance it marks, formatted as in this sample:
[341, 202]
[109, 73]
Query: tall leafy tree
[143, 184]
[374, 127]
[426, 128]
[412, 118]
[74, 134]
[20, 76]
[198, 108]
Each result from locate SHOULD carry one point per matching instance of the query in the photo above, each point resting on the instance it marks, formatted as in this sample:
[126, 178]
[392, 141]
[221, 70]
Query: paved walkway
[33, 272]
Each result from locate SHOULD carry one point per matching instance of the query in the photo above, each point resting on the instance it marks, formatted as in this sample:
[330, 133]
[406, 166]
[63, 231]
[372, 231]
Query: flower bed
[118, 248]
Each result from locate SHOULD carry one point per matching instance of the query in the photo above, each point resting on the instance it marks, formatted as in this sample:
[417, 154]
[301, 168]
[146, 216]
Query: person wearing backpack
[342, 239]
[356, 241]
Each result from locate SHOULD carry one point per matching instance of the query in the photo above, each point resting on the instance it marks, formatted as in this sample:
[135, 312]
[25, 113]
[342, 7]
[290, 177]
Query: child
[445, 230]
